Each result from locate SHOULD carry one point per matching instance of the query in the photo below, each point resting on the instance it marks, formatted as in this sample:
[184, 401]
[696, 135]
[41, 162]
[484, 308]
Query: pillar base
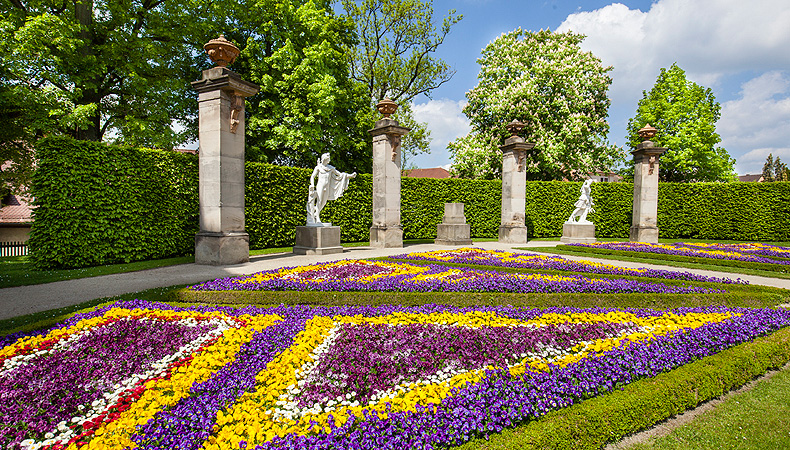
[513, 234]
[644, 234]
[453, 234]
[578, 233]
[317, 241]
[222, 249]
[386, 237]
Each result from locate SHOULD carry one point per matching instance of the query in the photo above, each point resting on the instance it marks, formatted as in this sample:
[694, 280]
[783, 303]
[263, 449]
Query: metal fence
[13, 249]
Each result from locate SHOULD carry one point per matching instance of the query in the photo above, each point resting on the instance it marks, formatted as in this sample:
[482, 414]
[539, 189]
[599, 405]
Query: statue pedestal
[317, 241]
[513, 234]
[220, 249]
[453, 234]
[578, 233]
[453, 230]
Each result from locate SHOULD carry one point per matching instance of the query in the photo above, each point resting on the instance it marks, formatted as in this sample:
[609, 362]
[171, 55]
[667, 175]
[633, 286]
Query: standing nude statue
[584, 204]
[330, 185]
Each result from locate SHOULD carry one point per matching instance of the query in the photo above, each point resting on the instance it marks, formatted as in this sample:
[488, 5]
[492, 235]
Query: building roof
[16, 210]
[751, 178]
[436, 172]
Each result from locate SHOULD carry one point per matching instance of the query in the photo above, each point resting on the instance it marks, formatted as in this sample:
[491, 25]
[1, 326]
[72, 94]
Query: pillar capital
[222, 78]
[388, 126]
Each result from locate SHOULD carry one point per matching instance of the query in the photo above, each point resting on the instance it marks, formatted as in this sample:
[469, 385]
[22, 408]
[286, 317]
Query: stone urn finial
[221, 51]
[647, 132]
[515, 127]
[387, 107]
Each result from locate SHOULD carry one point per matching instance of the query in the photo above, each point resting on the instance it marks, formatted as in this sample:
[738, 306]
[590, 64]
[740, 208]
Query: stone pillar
[513, 228]
[386, 231]
[222, 238]
[644, 227]
[453, 230]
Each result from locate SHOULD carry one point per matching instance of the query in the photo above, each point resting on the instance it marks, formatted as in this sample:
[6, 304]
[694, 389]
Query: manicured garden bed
[159, 376]
[390, 354]
[754, 256]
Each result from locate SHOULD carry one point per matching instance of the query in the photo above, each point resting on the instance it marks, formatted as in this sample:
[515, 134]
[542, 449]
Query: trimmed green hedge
[101, 204]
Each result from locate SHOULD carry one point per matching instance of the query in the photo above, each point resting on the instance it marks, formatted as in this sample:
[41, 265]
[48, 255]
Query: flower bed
[361, 275]
[348, 377]
[503, 258]
[736, 252]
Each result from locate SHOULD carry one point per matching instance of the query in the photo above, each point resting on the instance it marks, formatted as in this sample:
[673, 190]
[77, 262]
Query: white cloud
[710, 40]
[758, 123]
[707, 38]
[446, 122]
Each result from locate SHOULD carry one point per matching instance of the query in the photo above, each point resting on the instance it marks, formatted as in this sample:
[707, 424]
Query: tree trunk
[83, 13]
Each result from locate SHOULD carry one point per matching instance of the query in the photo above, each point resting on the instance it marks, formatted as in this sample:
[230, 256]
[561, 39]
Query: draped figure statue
[330, 185]
[584, 204]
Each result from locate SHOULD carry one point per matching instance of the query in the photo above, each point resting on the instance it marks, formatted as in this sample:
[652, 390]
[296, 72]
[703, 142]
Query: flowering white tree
[547, 82]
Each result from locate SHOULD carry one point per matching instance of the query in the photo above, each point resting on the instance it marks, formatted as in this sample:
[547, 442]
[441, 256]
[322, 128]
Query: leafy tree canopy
[685, 115]
[546, 81]
[395, 58]
[308, 105]
[775, 170]
[95, 67]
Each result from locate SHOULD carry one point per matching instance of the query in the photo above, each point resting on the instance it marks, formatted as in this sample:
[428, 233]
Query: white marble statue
[584, 204]
[330, 185]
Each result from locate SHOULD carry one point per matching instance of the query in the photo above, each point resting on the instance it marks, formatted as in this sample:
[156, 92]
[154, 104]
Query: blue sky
[740, 49]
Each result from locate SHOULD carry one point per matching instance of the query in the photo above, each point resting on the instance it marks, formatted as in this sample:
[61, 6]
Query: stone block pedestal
[513, 234]
[578, 233]
[453, 230]
[644, 234]
[317, 241]
[219, 249]
[386, 236]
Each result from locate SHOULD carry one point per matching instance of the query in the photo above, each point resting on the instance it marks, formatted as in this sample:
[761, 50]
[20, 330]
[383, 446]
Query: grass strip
[703, 264]
[758, 298]
[593, 423]
[756, 419]
[19, 270]
[46, 319]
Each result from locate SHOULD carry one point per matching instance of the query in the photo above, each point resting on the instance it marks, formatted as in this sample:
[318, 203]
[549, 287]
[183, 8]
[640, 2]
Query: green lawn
[19, 271]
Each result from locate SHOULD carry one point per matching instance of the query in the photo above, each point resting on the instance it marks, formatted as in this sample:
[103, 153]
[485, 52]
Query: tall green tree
[768, 169]
[118, 69]
[546, 81]
[395, 58]
[685, 115]
[298, 52]
[775, 170]
[780, 171]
